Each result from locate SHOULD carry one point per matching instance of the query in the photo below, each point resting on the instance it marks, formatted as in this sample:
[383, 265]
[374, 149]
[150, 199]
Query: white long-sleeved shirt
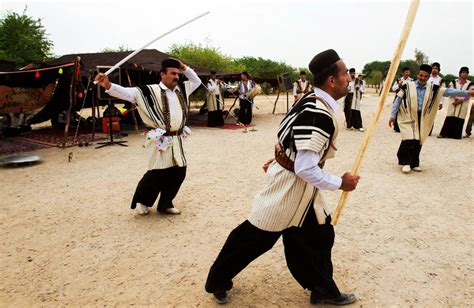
[306, 167]
[242, 92]
[302, 85]
[174, 155]
[362, 86]
[352, 86]
[129, 94]
[213, 87]
[306, 162]
[395, 86]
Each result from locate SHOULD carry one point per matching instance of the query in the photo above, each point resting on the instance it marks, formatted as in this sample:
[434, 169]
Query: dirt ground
[69, 238]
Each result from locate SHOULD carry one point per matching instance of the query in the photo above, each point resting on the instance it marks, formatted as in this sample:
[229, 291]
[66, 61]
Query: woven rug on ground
[54, 137]
[200, 120]
[10, 146]
[231, 126]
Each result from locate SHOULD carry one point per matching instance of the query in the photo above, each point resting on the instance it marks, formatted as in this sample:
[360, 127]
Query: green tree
[121, 48]
[23, 40]
[213, 58]
[448, 78]
[380, 66]
[421, 57]
[266, 68]
[206, 56]
[375, 78]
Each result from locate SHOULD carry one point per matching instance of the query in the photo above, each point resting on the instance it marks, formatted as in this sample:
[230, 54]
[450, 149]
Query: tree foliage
[266, 68]
[450, 77]
[213, 58]
[375, 78]
[121, 48]
[379, 66]
[383, 66]
[421, 57]
[205, 56]
[23, 40]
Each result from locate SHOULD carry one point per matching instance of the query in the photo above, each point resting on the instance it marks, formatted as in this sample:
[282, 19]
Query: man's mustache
[177, 79]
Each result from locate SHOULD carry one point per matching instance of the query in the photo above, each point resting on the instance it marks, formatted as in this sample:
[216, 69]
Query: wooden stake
[72, 98]
[388, 81]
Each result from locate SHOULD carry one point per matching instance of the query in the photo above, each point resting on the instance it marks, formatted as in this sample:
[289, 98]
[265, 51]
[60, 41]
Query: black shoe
[220, 297]
[342, 299]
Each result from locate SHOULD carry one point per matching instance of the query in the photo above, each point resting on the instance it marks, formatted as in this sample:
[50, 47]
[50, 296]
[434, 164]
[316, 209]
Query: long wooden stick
[388, 81]
[113, 68]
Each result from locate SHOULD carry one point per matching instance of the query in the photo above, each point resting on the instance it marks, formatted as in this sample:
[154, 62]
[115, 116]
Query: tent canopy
[146, 60]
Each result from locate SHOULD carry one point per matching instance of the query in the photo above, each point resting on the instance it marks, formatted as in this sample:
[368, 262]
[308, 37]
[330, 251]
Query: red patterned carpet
[230, 126]
[43, 138]
[10, 146]
[54, 137]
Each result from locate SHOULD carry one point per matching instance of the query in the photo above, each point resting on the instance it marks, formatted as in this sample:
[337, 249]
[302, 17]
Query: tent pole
[275, 104]
[93, 98]
[72, 99]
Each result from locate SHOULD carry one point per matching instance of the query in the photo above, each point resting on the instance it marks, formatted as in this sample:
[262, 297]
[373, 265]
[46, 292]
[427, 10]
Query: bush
[205, 56]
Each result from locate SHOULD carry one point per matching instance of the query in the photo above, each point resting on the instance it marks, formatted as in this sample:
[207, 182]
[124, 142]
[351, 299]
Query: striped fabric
[286, 198]
[459, 111]
[213, 96]
[308, 126]
[407, 116]
[150, 108]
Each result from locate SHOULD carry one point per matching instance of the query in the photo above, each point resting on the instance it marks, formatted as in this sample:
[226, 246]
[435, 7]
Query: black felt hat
[464, 69]
[323, 60]
[167, 63]
[437, 65]
[426, 68]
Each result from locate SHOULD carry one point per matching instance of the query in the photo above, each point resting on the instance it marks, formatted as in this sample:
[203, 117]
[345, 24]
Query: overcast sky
[292, 31]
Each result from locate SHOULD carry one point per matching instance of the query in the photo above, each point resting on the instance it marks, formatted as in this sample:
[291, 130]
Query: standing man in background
[416, 105]
[457, 107]
[396, 87]
[301, 86]
[245, 85]
[214, 101]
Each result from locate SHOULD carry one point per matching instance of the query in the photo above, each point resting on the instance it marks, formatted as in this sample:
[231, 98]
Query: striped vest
[407, 116]
[286, 198]
[459, 111]
[154, 110]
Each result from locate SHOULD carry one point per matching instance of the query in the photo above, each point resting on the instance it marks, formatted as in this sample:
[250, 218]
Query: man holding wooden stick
[291, 203]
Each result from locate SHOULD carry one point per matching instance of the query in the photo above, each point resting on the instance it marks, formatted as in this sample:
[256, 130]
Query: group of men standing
[416, 105]
[356, 89]
[291, 203]
[215, 100]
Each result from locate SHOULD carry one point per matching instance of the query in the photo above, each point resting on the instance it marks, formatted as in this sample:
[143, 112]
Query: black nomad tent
[59, 85]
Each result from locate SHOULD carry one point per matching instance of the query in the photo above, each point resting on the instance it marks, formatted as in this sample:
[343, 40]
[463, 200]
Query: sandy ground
[68, 236]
